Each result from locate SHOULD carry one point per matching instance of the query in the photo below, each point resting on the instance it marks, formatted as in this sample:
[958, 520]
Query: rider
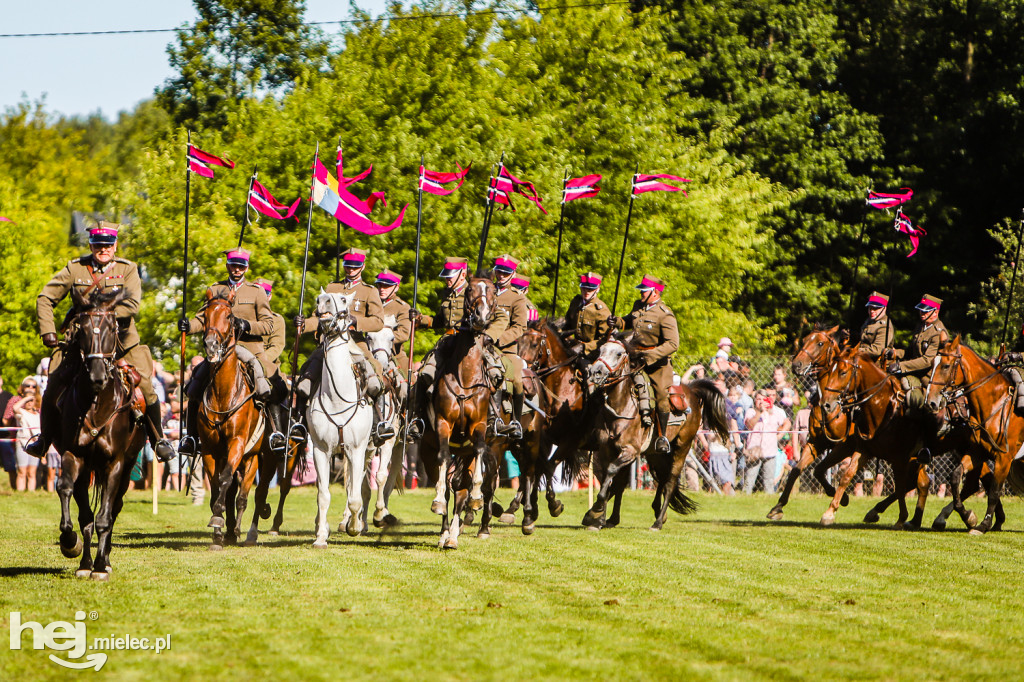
[99, 271]
[522, 285]
[387, 286]
[365, 316]
[273, 345]
[586, 320]
[924, 346]
[254, 320]
[506, 337]
[877, 333]
[656, 331]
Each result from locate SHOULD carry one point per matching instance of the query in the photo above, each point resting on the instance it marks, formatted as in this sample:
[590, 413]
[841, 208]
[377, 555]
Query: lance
[245, 218]
[302, 295]
[337, 233]
[184, 297]
[558, 253]
[410, 404]
[892, 273]
[625, 238]
[488, 213]
[1013, 280]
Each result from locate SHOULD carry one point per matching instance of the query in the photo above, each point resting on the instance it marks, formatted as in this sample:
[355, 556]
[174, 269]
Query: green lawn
[722, 594]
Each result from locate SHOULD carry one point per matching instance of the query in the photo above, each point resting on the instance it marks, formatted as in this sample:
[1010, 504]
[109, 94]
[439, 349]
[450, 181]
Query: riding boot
[644, 399]
[161, 447]
[261, 386]
[514, 430]
[382, 430]
[276, 439]
[421, 393]
[40, 443]
[189, 443]
[298, 431]
[661, 445]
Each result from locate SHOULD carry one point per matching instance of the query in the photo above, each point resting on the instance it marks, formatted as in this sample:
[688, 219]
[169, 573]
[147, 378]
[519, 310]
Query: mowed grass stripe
[720, 595]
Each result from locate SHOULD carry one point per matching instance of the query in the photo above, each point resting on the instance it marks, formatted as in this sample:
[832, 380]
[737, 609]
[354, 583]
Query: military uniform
[522, 285]
[587, 322]
[924, 346]
[250, 303]
[274, 343]
[365, 311]
[657, 333]
[876, 334]
[449, 312]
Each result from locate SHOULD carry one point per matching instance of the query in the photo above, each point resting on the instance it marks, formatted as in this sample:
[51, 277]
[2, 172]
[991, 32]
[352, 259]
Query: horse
[959, 375]
[98, 437]
[340, 418]
[862, 405]
[462, 396]
[232, 430]
[620, 437]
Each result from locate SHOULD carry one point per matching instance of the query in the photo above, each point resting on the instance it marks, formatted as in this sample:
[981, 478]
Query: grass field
[720, 595]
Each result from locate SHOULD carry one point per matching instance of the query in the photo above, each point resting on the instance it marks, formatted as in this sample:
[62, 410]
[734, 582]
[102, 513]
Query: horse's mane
[105, 299]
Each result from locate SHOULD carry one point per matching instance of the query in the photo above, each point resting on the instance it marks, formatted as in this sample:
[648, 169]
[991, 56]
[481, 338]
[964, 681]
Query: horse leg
[594, 519]
[220, 480]
[555, 506]
[104, 523]
[384, 477]
[284, 487]
[970, 485]
[267, 463]
[230, 512]
[807, 456]
[923, 483]
[356, 456]
[322, 464]
[528, 488]
[476, 495]
[678, 462]
[488, 486]
[455, 528]
[829, 517]
[619, 486]
[509, 515]
[834, 456]
[85, 524]
[444, 461]
[395, 475]
[70, 544]
[991, 482]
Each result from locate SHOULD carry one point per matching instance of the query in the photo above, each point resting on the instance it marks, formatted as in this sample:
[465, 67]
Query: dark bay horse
[232, 433]
[98, 437]
[959, 376]
[619, 436]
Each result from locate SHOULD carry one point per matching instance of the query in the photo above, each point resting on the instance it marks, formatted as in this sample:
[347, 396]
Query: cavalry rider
[273, 346]
[506, 336]
[522, 285]
[365, 316]
[387, 286]
[586, 320]
[656, 332]
[929, 335]
[104, 272]
[254, 321]
[877, 333]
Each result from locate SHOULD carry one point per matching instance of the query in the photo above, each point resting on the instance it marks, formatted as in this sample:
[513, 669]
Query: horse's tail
[713, 410]
[677, 500]
[573, 465]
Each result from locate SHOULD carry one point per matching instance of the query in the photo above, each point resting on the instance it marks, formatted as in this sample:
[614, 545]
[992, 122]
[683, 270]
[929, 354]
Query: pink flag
[581, 188]
[261, 199]
[199, 162]
[7, 220]
[904, 226]
[506, 182]
[433, 182]
[345, 182]
[499, 196]
[345, 206]
[649, 183]
[881, 200]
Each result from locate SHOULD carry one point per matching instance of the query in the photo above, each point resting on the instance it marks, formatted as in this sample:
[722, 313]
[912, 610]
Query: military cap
[104, 234]
[238, 257]
[590, 280]
[651, 282]
[506, 264]
[521, 283]
[877, 300]
[929, 303]
[386, 278]
[267, 284]
[453, 265]
[353, 258]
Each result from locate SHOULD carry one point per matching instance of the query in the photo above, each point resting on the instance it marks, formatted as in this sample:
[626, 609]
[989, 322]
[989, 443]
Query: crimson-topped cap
[353, 258]
[929, 303]
[453, 265]
[651, 282]
[521, 283]
[267, 284]
[386, 278]
[506, 264]
[104, 234]
[238, 257]
[877, 300]
[590, 280]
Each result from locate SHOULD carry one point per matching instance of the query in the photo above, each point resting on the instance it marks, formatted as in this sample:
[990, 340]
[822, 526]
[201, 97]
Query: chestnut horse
[619, 437]
[996, 430]
[232, 432]
[98, 437]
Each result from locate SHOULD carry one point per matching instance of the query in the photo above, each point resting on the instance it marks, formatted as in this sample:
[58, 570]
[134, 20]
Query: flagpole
[248, 195]
[337, 233]
[558, 253]
[302, 295]
[410, 404]
[183, 428]
[856, 268]
[892, 274]
[625, 238]
[487, 217]
[1013, 281]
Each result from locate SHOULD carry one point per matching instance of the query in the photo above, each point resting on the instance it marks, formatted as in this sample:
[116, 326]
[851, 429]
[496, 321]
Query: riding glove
[242, 325]
[299, 321]
[183, 325]
[50, 340]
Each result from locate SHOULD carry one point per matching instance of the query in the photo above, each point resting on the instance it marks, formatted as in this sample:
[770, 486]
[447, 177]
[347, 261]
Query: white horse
[389, 468]
[339, 417]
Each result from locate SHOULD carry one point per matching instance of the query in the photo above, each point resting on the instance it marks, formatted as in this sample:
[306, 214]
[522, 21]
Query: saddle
[130, 379]
[677, 400]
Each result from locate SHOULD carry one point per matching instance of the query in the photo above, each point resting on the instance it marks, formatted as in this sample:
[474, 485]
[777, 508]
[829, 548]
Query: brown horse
[863, 406]
[960, 376]
[232, 432]
[619, 436]
[462, 397]
[98, 437]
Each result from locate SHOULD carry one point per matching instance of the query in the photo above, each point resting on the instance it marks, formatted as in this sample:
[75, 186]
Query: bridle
[822, 356]
[227, 340]
[847, 400]
[951, 392]
[614, 374]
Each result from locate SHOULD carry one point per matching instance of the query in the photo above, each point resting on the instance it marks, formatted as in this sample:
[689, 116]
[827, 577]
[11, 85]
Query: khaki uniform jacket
[873, 336]
[274, 343]
[654, 327]
[75, 279]
[366, 306]
[514, 305]
[251, 305]
[403, 325]
[924, 346]
[449, 313]
[588, 321]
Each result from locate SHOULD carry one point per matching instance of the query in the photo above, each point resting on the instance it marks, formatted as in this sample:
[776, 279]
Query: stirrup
[298, 432]
[277, 442]
[383, 431]
[414, 430]
[36, 447]
[662, 446]
[513, 430]
[187, 446]
[924, 456]
[163, 450]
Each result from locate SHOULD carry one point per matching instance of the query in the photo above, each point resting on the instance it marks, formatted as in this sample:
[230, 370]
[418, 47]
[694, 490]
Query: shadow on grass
[839, 525]
[17, 571]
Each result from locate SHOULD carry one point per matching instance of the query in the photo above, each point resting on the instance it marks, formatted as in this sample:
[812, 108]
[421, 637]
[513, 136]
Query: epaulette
[666, 309]
[119, 259]
[78, 260]
[599, 305]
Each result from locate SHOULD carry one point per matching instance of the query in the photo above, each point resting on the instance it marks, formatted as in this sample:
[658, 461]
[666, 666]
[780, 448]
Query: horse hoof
[775, 515]
[611, 523]
[353, 531]
[911, 527]
[83, 573]
[476, 503]
[438, 507]
[656, 528]
[99, 576]
[845, 502]
[468, 517]
[556, 510]
[972, 520]
[341, 527]
[250, 542]
[938, 524]
[74, 551]
[871, 517]
[265, 514]
[827, 520]
[528, 529]
[594, 528]
[483, 535]
[507, 518]
[216, 522]
[231, 540]
[214, 547]
[273, 533]
[898, 525]
[974, 531]
[496, 509]
[320, 544]
[450, 544]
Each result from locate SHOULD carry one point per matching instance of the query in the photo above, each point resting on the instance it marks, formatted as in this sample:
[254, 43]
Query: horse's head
[818, 350]
[479, 302]
[97, 337]
[948, 375]
[382, 343]
[333, 311]
[532, 347]
[218, 326]
[838, 384]
[612, 357]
